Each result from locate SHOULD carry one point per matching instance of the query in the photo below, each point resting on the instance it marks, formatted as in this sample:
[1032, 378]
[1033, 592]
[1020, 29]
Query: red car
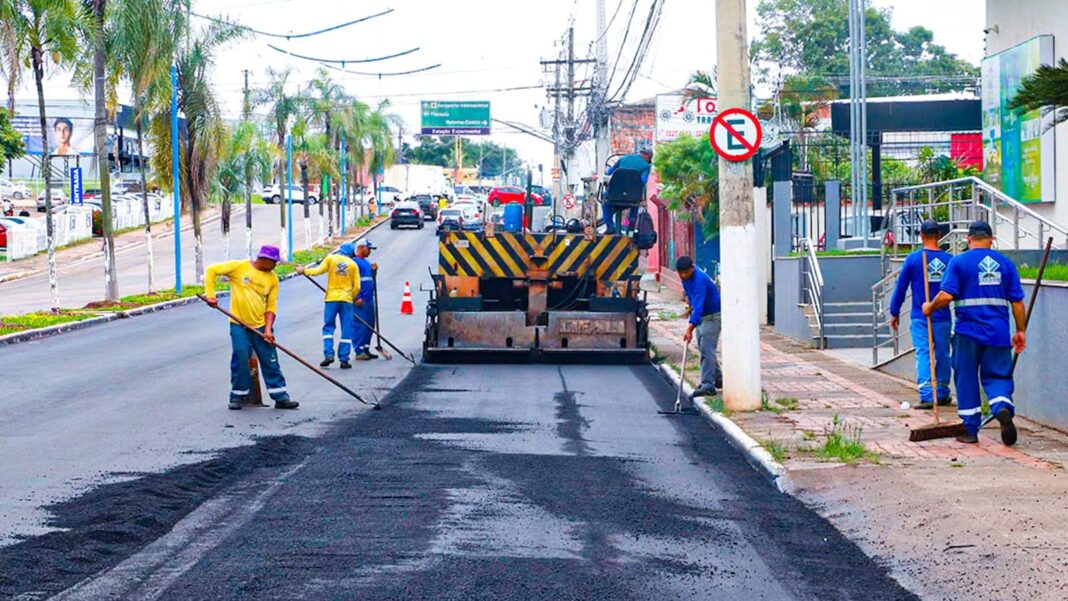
[3, 236]
[503, 195]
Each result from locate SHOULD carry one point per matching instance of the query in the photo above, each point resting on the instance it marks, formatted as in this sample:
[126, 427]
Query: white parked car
[390, 194]
[59, 197]
[15, 190]
[276, 194]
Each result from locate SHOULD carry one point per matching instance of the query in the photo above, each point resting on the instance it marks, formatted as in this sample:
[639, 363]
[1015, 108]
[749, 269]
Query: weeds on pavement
[843, 444]
[776, 449]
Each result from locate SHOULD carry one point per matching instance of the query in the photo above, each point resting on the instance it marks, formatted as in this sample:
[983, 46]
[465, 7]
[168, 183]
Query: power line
[381, 75]
[343, 62]
[293, 36]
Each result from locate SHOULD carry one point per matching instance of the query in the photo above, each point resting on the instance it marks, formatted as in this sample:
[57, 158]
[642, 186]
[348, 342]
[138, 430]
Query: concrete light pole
[738, 239]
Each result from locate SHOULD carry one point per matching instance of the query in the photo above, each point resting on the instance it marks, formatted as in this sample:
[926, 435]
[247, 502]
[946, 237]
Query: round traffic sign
[735, 134]
[569, 201]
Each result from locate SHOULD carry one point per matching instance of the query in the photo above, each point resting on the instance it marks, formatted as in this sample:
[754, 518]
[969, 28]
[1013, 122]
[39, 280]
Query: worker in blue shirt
[642, 162]
[365, 301]
[911, 276]
[983, 284]
[703, 296]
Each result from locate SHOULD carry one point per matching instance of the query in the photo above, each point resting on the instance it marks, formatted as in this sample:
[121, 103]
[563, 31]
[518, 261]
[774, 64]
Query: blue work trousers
[334, 311]
[976, 364]
[244, 343]
[942, 331]
[610, 211]
[361, 340]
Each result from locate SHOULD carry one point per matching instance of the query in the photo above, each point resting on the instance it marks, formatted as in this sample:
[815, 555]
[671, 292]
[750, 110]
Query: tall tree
[1045, 89]
[324, 99]
[100, 147]
[380, 136]
[282, 107]
[12, 145]
[44, 30]
[812, 37]
[243, 154]
[142, 45]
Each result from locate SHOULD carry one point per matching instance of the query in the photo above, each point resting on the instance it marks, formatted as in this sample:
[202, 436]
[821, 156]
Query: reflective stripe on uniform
[345, 341]
[966, 412]
[328, 336]
[367, 279]
[1002, 399]
[981, 302]
[239, 392]
[276, 390]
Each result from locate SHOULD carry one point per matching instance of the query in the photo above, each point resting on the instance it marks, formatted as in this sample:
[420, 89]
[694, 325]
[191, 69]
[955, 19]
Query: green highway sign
[455, 118]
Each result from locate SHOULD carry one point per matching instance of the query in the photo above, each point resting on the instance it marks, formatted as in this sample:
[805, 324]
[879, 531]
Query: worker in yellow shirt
[253, 300]
[342, 286]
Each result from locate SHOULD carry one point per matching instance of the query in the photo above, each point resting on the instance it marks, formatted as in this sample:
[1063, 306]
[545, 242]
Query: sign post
[76, 196]
[455, 118]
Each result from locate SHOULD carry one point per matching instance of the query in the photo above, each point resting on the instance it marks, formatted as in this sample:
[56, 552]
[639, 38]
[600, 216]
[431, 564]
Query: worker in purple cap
[254, 301]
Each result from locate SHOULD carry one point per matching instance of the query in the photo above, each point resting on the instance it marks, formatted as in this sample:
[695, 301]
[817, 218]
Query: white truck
[417, 179]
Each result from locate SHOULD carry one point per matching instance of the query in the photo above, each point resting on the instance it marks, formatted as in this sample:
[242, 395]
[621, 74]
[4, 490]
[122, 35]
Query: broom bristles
[935, 431]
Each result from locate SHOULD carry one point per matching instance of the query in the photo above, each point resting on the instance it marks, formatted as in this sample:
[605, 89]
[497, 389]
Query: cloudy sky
[485, 45]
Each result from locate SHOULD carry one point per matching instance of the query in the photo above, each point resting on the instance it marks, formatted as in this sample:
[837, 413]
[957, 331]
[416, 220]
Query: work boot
[364, 357]
[968, 438]
[286, 404]
[235, 405]
[372, 355]
[719, 382]
[345, 365]
[925, 405]
[1008, 429]
[945, 402]
[704, 391]
[326, 362]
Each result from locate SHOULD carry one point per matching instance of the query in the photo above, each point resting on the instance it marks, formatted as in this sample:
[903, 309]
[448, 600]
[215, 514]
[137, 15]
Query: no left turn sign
[735, 134]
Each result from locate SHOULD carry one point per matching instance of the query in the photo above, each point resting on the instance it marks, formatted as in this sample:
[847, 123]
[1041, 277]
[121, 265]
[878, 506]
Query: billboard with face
[66, 135]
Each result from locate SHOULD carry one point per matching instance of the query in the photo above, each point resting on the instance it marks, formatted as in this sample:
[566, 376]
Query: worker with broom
[983, 285]
[934, 260]
[703, 296]
[254, 301]
[342, 286]
[365, 301]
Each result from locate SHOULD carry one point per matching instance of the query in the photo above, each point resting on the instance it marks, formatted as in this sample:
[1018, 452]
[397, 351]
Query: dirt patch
[110, 305]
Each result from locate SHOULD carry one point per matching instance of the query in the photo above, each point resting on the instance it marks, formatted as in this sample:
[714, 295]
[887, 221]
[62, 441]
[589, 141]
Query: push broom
[296, 357]
[939, 430]
[370, 327]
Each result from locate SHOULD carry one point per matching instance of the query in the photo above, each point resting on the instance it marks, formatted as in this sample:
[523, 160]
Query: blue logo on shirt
[342, 269]
[935, 270]
[989, 272]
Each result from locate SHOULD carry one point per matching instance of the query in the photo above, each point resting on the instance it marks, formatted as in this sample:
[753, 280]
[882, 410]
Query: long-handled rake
[678, 410]
[936, 430]
[321, 373]
[370, 327]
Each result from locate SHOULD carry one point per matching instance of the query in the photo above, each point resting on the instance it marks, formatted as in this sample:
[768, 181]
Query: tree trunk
[50, 228]
[192, 171]
[307, 208]
[144, 200]
[225, 221]
[282, 193]
[100, 135]
[248, 210]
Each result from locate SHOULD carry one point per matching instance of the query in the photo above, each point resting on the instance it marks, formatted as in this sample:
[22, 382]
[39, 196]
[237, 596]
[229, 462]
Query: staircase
[849, 325]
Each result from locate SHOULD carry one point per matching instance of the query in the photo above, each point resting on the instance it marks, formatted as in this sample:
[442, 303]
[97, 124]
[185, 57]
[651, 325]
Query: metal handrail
[814, 287]
[878, 294]
[975, 181]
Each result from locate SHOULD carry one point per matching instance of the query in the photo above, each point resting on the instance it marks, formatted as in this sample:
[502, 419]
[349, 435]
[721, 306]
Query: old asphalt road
[473, 482]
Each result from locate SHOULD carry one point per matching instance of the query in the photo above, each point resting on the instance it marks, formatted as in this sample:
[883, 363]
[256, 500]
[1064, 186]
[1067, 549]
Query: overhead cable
[342, 62]
[293, 36]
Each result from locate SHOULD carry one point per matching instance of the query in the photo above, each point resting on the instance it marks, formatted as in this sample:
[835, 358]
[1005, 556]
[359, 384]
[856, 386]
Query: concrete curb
[755, 454]
[18, 275]
[39, 333]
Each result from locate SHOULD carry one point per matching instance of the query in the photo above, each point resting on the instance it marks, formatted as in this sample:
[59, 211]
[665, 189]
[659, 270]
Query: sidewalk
[952, 521]
[92, 248]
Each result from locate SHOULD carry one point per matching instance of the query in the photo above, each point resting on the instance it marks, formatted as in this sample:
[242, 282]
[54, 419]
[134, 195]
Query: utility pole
[564, 133]
[246, 111]
[598, 110]
[557, 146]
[738, 239]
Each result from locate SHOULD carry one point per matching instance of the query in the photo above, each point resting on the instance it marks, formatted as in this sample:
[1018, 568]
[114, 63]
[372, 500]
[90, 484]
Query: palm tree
[353, 125]
[243, 154]
[380, 138]
[199, 140]
[300, 138]
[323, 98]
[10, 66]
[282, 107]
[142, 44]
[46, 29]
[702, 84]
[1045, 89]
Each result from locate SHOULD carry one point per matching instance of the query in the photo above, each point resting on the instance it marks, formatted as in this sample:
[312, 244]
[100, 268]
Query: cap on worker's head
[683, 263]
[367, 243]
[929, 226]
[980, 228]
[646, 152]
[347, 249]
[269, 252]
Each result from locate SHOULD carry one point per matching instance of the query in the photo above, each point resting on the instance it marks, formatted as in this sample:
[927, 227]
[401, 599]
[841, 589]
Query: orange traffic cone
[406, 300]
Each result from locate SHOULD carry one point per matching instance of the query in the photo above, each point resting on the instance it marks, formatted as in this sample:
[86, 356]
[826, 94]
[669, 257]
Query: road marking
[146, 575]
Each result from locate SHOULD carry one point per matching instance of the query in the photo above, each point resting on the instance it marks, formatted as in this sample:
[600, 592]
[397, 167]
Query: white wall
[1017, 21]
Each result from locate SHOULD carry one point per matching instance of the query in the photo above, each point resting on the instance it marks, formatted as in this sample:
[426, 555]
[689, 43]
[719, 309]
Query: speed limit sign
[569, 201]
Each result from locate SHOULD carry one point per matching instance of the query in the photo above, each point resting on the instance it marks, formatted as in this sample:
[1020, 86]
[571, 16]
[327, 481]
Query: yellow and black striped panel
[510, 255]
